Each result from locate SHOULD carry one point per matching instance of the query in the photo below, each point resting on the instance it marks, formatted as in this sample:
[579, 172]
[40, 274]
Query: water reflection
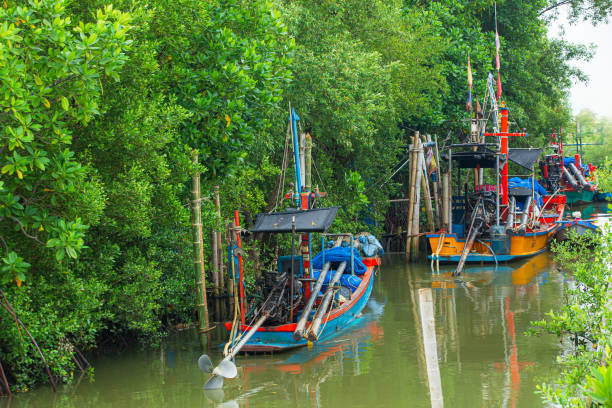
[500, 302]
[485, 360]
[294, 379]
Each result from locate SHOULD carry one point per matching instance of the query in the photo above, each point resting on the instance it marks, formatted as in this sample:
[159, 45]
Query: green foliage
[583, 319]
[595, 10]
[51, 73]
[586, 377]
[361, 70]
[227, 65]
[600, 385]
[50, 70]
[596, 132]
[100, 116]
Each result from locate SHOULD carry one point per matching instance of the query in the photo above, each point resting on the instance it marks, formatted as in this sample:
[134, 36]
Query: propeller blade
[205, 364]
[226, 369]
[215, 395]
[229, 404]
[214, 383]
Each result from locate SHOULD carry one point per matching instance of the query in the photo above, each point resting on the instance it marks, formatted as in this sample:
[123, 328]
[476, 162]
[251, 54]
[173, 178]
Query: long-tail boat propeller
[226, 368]
[205, 364]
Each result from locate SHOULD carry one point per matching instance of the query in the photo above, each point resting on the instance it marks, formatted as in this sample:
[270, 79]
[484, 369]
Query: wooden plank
[431, 347]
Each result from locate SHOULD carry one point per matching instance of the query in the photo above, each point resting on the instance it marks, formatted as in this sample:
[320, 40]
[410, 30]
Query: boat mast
[503, 137]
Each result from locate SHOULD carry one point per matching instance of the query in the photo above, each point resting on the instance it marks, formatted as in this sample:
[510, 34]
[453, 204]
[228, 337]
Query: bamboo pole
[215, 265]
[198, 249]
[416, 212]
[431, 349]
[220, 252]
[435, 185]
[445, 200]
[230, 268]
[302, 159]
[426, 192]
[413, 168]
[308, 161]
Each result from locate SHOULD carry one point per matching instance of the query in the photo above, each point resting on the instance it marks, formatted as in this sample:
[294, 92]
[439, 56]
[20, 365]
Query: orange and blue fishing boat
[508, 219]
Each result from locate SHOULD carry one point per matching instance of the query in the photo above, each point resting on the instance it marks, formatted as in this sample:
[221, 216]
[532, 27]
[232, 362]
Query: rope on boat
[490, 249]
[232, 340]
[533, 221]
[436, 255]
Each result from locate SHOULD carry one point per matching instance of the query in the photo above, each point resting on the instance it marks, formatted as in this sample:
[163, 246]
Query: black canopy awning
[483, 158]
[316, 220]
[525, 158]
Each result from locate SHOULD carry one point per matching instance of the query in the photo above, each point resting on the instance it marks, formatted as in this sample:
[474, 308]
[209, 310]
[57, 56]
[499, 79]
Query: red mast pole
[305, 247]
[504, 150]
[241, 278]
[503, 137]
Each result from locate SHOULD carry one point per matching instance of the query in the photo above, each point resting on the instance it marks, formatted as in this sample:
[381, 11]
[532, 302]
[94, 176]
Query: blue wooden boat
[280, 337]
[304, 299]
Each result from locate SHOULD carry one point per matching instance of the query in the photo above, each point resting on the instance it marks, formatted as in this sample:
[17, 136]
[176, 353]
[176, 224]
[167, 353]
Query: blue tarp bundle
[337, 255]
[347, 280]
[370, 246]
[526, 183]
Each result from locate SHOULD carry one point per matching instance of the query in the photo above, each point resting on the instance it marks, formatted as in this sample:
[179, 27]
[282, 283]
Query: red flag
[499, 89]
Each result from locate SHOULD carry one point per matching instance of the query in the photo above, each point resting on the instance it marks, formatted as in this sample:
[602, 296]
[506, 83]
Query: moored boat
[510, 219]
[300, 299]
[567, 175]
[353, 288]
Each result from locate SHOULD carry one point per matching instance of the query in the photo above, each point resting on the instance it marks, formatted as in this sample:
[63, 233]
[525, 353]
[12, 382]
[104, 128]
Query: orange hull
[531, 243]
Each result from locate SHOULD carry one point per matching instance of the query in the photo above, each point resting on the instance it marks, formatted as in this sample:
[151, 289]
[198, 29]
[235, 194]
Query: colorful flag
[469, 73]
[432, 166]
[468, 105]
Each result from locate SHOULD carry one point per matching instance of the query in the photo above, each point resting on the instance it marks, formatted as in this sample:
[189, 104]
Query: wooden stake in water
[416, 212]
[198, 249]
[431, 348]
[412, 192]
[445, 200]
[220, 251]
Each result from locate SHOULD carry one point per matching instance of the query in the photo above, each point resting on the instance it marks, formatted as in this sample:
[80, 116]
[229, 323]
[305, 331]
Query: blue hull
[273, 339]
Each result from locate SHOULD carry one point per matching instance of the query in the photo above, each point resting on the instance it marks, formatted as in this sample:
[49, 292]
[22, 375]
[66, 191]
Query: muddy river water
[485, 358]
